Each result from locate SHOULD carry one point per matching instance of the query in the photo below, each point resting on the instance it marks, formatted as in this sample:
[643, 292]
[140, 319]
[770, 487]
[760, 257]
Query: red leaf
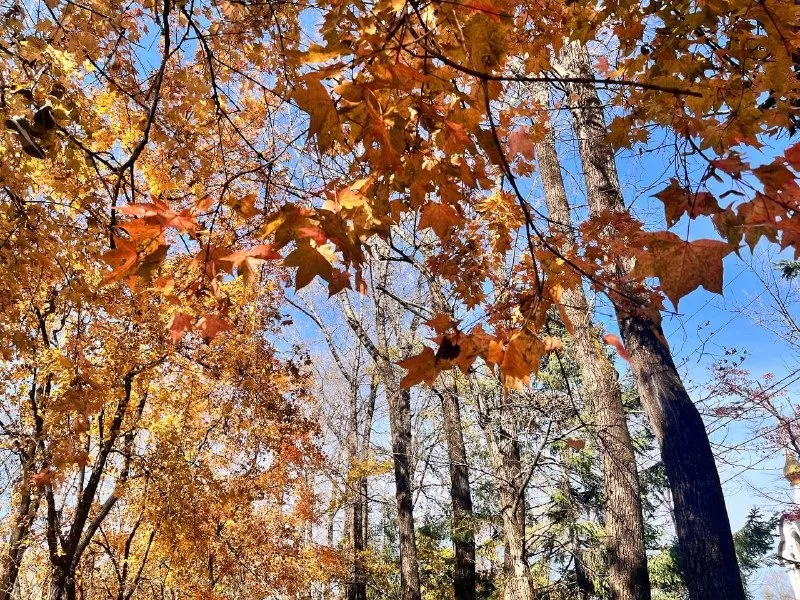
[575, 443]
[792, 156]
[613, 340]
[211, 325]
[679, 201]
[520, 142]
[179, 325]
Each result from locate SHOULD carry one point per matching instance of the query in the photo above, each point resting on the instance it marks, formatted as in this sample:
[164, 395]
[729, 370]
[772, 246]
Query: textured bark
[400, 424]
[358, 525]
[701, 519]
[62, 584]
[624, 524]
[461, 498]
[505, 456]
[85, 524]
[24, 513]
[463, 529]
[356, 588]
[399, 403]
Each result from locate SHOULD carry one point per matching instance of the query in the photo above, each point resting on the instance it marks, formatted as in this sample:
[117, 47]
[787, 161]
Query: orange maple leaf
[211, 325]
[421, 367]
[439, 217]
[613, 340]
[310, 263]
[679, 201]
[683, 266]
[179, 325]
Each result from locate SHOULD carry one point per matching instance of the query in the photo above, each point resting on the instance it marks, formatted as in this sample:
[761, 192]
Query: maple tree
[139, 455]
[154, 151]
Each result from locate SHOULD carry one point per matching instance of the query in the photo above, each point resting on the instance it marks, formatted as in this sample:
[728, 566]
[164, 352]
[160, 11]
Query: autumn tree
[232, 133]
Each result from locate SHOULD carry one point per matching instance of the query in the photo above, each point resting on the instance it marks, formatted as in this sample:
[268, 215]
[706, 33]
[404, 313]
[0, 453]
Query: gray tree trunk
[501, 439]
[24, 514]
[624, 524]
[399, 403]
[701, 519]
[463, 527]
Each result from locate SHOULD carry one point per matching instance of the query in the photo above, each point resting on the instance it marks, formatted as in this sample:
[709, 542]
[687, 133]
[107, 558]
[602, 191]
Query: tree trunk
[463, 528]
[463, 531]
[62, 584]
[25, 512]
[701, 520]
[399, 403]
[505, 456]
[357, 525]
[624, 524]
[356, 586]
[400, 425]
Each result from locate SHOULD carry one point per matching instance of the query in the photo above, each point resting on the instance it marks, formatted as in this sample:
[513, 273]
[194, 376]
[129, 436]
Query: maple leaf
[159, 212]
[179, 325]
[733, 165]
[521, 357]
[324, 120]
[310, 263]
[774, 176]
[683, 266]
[439, 217]
[520, 142]
[613, 340]
[679, 201]
[122, 258]
[246, 262]
[339, 280]
[758, 218]
[792, 156]
[441, 322]
[211, 325]
[471, 346]
[421, 367]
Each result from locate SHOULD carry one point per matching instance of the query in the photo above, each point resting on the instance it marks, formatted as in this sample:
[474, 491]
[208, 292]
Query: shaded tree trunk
[62, 584]
[399, 403]
[701, 519]
[24, 514]
[357, 587]
[66, 550]
[400, 424]
[463, 527]
[624, 524]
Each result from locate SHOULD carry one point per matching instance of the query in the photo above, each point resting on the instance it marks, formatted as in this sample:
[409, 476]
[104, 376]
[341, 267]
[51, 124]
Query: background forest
[398, 299]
